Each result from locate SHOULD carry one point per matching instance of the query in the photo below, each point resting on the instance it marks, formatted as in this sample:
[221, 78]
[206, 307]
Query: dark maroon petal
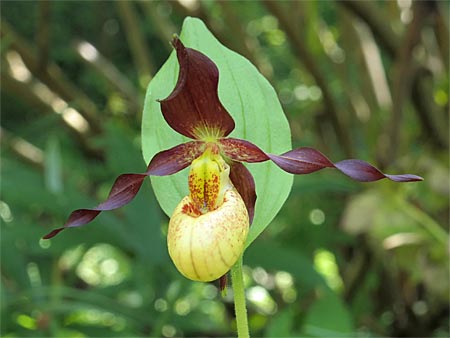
[308, 160]
[404, 178]
[53, 233]
[242, 151]
[171, 161]
[301, 161]
[123, 191]
[359, 170]
[364, 172]
[245, 185]
[127, 186]
[193, 108]
[76, 218]
[81, 216]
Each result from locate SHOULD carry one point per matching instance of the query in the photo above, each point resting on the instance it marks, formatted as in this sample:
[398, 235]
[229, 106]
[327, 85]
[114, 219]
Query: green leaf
[281, 324]
[254, 106]
[143, 215]
[283, 258]
[328, 317]
[53, 168]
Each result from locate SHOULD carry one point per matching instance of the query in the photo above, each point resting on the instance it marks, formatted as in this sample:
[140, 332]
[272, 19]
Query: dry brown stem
[307, 59]
[136, 40]
[52, 76]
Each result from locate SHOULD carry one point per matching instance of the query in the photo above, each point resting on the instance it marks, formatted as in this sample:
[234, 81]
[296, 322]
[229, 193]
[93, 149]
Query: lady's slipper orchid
[208, 229]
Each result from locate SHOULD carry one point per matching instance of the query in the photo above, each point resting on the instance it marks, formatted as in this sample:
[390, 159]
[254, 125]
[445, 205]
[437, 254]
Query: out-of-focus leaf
[395, 227]
[284, 259]
[25, 188]
[15, 266]
[328, 317]
[53, 169]
[360, 213]
[138, 232]
[281, 324]
[143, 216]
[386, 212]
[252, 103]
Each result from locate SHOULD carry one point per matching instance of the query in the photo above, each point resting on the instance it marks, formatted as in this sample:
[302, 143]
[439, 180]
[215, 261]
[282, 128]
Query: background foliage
[356, 79]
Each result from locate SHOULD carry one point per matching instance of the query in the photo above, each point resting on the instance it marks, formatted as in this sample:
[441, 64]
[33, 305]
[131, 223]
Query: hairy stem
[237, 280]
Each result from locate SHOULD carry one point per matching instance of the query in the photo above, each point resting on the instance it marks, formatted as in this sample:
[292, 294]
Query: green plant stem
[237, 280]
[428, 223]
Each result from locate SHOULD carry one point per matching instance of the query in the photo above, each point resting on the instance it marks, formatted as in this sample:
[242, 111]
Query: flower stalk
[240, 308]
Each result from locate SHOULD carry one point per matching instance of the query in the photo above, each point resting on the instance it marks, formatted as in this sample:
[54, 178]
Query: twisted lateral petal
[307, 160]
[127, 186]
[123, 191]
[364, 172]
[193, 108]
[302, 161]
[245, 185]
[242, 151]
[171, 161]
[76, 218]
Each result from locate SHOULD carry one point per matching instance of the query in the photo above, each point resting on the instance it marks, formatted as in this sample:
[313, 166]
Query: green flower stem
[237, 281]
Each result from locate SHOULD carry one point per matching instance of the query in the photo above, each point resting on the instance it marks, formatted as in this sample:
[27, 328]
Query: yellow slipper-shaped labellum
[208, 229]
[204, 247]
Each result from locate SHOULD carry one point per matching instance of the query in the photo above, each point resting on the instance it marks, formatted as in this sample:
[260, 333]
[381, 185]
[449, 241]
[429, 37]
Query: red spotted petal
[245, 185]
[173, 160]
[127, 186]
[242, 151]
[193, 108]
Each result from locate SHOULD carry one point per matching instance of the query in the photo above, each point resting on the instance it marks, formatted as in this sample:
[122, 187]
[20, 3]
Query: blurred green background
[356, 79]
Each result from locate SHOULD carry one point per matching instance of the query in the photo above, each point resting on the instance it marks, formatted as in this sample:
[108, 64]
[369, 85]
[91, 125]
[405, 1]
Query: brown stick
[402, 78]
[235, 30]
[43, 34]
[307, 59]
[164, 27]
[389, 40]
[89, 54]
[199, 11]
[23, 91]
[52, 76]
[136, 41]
[425, 105]
[24, 150]
[440, 26]
[369, 13]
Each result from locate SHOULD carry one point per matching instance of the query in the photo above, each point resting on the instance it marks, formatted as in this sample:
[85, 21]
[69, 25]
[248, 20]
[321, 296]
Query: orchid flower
[208, 229]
